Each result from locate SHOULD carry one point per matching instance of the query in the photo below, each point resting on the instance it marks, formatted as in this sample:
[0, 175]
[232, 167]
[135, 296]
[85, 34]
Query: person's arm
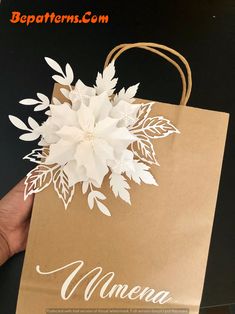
[14, 221]
[5, 253]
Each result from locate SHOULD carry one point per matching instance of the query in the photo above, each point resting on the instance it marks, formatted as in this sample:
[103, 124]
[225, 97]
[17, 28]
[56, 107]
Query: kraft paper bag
[149, 257]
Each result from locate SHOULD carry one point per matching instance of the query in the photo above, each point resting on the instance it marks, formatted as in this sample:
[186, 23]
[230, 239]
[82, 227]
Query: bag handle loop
[186, 86]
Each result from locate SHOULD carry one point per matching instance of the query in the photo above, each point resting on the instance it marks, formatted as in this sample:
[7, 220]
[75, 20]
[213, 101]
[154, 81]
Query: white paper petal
[61, 152]
[100, 106]
[126, 112]
[86, 119]
[75, 172]
[105, 127]
[71, 134]
[103, 150]
[96, 169]
[63, 115]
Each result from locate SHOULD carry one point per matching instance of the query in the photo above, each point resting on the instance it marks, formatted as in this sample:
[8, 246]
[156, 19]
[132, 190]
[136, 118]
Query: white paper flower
[80, 94]
[96, 133]
[88, 141]
[125, 112]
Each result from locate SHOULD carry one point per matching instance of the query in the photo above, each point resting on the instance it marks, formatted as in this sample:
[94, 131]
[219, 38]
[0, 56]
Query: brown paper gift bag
[150, 255]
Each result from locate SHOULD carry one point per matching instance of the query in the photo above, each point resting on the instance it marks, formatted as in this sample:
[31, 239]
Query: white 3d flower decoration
[94, 134]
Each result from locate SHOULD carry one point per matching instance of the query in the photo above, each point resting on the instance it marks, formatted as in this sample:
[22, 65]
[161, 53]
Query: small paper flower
[94, 134]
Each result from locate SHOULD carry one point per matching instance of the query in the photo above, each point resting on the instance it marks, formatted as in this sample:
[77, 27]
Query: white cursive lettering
[107, 289]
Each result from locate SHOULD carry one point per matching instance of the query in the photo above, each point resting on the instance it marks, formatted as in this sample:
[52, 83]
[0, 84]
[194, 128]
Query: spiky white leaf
[18, 123]
[106, 82]
[126, 95]
[131, 91]
[120, 187]
[141, 173]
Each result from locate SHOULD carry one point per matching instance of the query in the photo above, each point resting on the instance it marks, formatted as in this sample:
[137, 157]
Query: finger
[13, 201]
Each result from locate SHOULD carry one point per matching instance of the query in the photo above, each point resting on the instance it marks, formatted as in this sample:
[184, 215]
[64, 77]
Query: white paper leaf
[93, 196]
[69, 74]
[38, 155]
[120, 186]
[29, 101]
[41, 107]
[91, 199]
[85, 186]
[32, 123]
[65, 92]
[59, 79]
[103, 208]
[142, 115]
[99, 195]
[126, 95]
[105, 82]
[48, 112]
[132, 90]
[45, 100]
[29, 137]
[54, 65]
[18, 123]
[37, 180]
[143, 149]
[62, 188]
[141, 173]
[158, 127]
[148, 178]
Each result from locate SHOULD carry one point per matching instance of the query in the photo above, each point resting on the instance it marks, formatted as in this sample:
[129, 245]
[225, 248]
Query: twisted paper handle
[186, 86]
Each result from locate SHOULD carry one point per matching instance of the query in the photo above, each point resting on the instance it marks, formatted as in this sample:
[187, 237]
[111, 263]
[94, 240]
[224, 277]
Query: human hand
[14, 221]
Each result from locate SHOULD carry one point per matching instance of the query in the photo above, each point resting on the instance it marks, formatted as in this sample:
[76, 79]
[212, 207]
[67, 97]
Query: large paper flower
[88, 140]
[94, 134]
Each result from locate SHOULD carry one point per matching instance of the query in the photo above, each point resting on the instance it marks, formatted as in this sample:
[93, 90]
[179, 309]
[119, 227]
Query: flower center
[88, 136]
